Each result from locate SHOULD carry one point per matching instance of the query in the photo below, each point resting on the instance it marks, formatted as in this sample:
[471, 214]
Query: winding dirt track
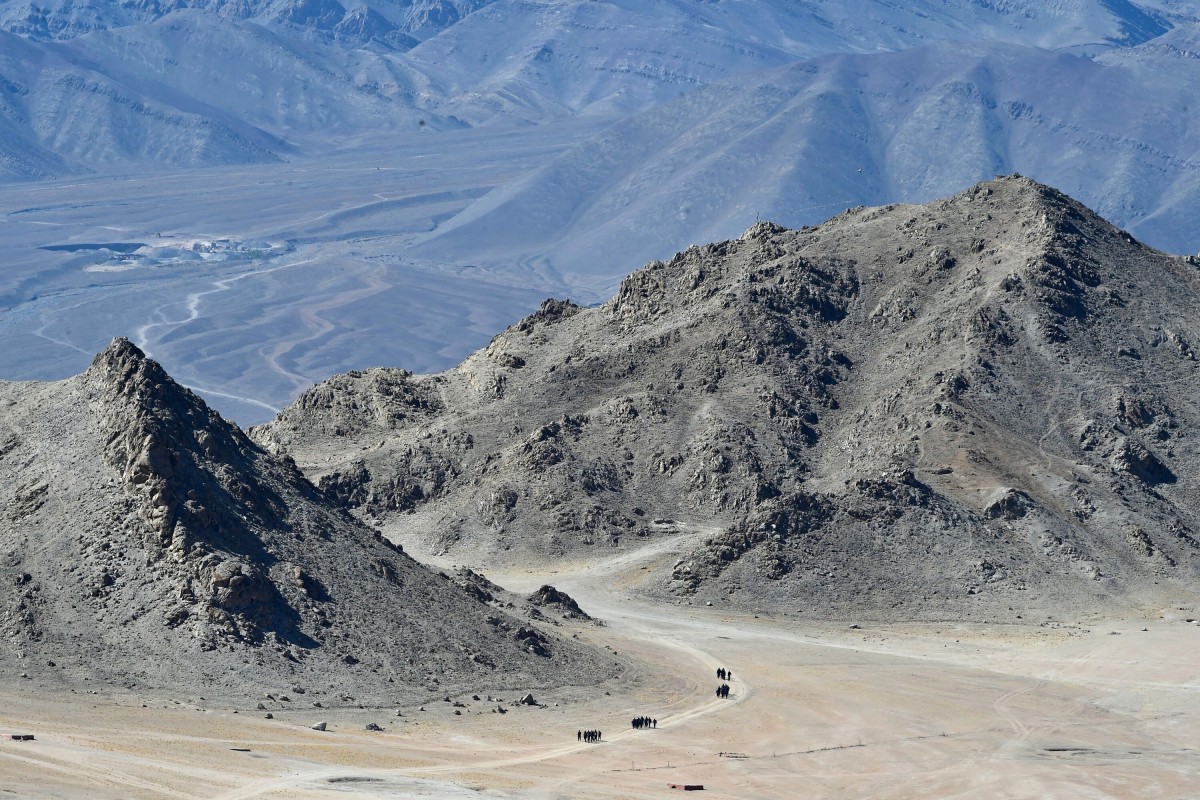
[630, 623]
[930, 711]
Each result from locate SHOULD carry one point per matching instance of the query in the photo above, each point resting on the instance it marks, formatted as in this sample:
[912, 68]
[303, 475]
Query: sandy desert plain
[1058, 707]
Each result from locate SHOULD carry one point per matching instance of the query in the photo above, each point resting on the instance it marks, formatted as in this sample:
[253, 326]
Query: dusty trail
[160, 318]
[94, 774]
[900, 711]
[674, 653]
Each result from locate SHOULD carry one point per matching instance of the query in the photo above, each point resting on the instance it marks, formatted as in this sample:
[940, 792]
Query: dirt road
[1070, 709]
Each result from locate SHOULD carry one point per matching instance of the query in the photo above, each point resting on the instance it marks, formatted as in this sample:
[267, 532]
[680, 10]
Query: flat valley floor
[1062, 708]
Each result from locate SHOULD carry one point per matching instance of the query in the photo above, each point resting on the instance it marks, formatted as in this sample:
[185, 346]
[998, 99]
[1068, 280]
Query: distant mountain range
[201, 83]
[663, 123]
[798, 143]
[391, 23]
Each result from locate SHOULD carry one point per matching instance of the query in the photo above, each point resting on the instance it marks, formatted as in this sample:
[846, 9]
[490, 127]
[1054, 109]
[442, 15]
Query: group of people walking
[640, 723]
[724, 675]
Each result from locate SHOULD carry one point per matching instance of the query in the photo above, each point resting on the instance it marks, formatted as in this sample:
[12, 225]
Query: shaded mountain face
[861, 24]
[146, 541]
[804, 141]
[58, 114]
[197, 83]
[918, 410]
[392, 23]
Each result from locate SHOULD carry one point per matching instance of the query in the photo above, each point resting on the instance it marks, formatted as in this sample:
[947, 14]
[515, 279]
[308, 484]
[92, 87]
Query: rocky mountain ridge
[283, 78]
[636, 128]
[153, 544]
[389, 23]
[980, 402]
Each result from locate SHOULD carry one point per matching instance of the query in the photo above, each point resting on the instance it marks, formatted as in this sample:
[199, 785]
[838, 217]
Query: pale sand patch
[1082, 708]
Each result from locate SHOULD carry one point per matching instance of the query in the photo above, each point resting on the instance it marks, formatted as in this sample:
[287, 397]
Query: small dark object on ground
[22, 737]
[687, 787]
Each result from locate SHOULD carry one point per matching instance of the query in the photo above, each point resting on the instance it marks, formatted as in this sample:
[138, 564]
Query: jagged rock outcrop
[557, 601]
[918, 410]
[155, 545]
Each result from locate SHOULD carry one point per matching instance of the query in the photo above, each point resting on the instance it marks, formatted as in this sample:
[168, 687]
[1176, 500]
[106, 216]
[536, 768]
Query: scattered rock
[549, 597]
[1012, 504]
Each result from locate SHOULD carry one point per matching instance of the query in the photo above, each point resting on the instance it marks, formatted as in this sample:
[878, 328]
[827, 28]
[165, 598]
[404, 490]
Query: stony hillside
[987, 400]
[148, 543]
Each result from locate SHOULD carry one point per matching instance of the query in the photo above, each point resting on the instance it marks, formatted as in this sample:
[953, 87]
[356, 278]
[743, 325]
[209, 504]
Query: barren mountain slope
[987, 399]
[388, 23]
[801, 142]
[147, 542]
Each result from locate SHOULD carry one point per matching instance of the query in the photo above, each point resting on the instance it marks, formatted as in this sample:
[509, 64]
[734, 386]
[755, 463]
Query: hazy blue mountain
[799, 143]
[213, 71]
[624, 55]
[61, 112]
[394, 23]
[374, 181]
[278, 83]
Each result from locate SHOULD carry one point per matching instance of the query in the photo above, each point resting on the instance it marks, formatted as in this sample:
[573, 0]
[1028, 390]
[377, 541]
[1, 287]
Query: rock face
[147, 541]
[557, 601]
[985, 401]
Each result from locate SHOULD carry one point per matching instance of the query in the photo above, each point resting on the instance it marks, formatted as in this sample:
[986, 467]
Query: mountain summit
[153, 544]
[983, 401]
